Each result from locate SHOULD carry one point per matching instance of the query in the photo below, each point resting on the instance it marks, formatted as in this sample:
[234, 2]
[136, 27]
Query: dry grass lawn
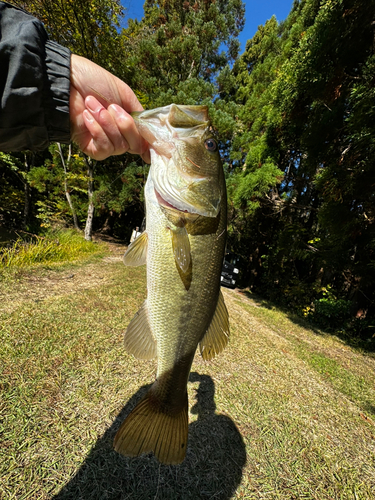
[283, 413]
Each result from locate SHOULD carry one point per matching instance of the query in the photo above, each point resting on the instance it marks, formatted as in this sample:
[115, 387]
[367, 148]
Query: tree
[321, 110]
[89, 29]
[174, 53]
[305, 92]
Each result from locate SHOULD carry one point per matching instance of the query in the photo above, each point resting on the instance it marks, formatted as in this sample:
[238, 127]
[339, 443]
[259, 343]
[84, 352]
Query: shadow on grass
[367, 345]
[212, 468]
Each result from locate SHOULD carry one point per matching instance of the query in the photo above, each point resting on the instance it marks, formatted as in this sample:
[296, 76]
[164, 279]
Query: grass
[282, 413]
[54, 247]
[349, 370]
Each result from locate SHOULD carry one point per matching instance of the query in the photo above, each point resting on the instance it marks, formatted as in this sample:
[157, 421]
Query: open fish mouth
[161, 127]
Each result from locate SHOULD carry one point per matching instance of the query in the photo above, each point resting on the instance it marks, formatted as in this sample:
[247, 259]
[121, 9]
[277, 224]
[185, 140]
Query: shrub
[331, 313]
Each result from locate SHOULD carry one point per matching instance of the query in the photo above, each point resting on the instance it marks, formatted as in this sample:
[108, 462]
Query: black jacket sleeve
[34, 84]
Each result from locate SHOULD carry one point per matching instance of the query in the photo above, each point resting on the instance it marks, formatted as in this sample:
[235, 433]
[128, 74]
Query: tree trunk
[67, 193]
[90, 192]
[26, 209]
[75, 219]
[108, 224]
[27, 195]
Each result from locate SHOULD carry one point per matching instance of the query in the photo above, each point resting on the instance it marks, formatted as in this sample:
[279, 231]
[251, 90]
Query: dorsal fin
[139, 339]
[217, 335]
[136, 253]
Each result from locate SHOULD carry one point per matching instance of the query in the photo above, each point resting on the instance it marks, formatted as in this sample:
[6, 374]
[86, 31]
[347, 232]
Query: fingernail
[117, 110]
[93, 105]
[88, 116]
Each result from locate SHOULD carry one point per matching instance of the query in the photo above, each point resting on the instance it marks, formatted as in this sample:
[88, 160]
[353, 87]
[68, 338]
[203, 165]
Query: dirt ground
[40, 283]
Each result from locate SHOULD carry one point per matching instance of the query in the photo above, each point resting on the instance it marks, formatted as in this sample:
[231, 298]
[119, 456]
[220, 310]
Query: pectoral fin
[136, 253]
[181, 248]
[217, 335]
[139, 339]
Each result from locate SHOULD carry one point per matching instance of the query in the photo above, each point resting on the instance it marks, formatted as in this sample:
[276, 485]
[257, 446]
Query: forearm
[34, 84]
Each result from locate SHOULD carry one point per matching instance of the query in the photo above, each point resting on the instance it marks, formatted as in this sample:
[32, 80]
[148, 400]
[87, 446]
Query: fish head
[185, 162]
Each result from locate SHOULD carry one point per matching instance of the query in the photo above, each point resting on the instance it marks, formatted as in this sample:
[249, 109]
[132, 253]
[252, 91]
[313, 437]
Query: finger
[127, 127]
[76, 107]
[89, 79]
[128, 98]
[108, 125]
[98, 146]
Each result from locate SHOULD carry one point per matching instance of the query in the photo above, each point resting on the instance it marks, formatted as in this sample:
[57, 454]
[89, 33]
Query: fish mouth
[178, 116]
[161, 126]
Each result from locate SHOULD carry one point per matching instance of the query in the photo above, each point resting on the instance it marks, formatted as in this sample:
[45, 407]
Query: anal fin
[136, 253]
[217, 334]
[147, 429]
[139, 339]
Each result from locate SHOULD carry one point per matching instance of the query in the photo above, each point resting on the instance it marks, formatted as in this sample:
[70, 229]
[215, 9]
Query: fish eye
[210, 145]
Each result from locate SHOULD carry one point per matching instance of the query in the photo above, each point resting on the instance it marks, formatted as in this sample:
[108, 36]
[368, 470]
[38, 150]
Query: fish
[183, 247]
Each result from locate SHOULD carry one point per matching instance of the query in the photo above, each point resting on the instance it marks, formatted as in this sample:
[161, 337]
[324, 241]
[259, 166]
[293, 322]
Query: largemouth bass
[183, 246]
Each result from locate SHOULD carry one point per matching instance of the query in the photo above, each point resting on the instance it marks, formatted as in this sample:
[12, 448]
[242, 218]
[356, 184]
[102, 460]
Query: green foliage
[49, 213]
[51, 180]
[89, 29]
[128, 191]
[9, 161]
[331, 314]
[248, 188]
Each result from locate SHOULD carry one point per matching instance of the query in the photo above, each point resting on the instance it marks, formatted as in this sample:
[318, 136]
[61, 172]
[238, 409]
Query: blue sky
[257, 12]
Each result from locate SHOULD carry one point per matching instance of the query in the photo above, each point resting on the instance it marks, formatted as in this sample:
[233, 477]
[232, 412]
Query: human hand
[102, 125]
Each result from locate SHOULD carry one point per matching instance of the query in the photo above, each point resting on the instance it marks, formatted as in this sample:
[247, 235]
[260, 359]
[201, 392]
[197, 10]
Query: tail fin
[148, 428]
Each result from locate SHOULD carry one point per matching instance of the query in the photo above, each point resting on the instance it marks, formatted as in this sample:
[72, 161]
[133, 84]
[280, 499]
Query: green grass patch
[342, 367]
[53, 247]
[354, 386]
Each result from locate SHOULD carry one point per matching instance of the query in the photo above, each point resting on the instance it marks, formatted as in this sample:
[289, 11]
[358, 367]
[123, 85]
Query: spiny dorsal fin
[136, 253]
[217, 335]
[148, 429]
[139, 339]
[181, 248]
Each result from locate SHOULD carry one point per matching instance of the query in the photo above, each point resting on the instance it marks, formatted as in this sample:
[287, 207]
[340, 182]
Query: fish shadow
[212, 468]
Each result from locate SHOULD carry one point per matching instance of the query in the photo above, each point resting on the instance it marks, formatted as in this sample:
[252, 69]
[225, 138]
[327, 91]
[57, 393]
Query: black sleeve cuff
[57, 104]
